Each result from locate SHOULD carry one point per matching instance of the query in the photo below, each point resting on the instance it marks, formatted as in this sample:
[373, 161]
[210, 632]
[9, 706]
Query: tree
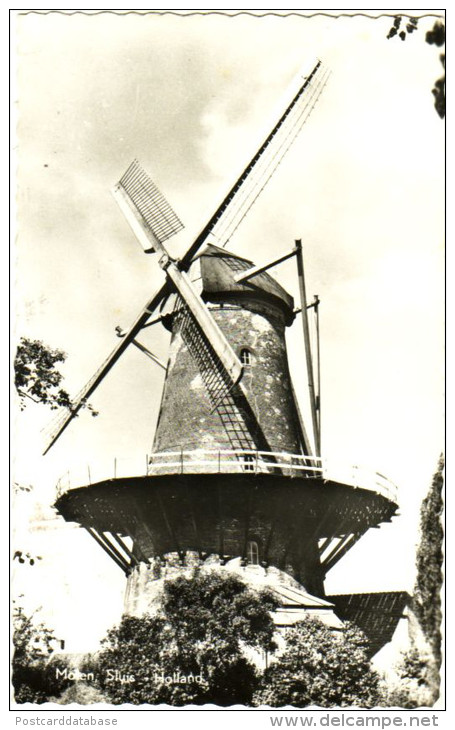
[194, 650]
[35, 677]
[36, 376]
[426, 601]
[319, 667]
[419, 670]
[411, 26]
[436, 36]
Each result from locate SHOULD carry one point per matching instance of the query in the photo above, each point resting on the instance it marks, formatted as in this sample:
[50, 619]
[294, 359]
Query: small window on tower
[248, 462]
[252, 553]
[246, 357]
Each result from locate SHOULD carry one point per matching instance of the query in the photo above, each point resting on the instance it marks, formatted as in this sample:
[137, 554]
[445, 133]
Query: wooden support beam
[328, 539]
[340, 530]
[141, 347]
[306, 336]
[325, 544]
[149, 354]
[315, 304]
[341, 541]
[354, 538]
[100, 542]
[255, 270]
[157, 320]
[125, 548]
[115, 551]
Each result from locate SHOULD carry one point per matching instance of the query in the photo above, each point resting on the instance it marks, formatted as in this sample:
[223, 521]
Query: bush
[34, 668]
[319, 667]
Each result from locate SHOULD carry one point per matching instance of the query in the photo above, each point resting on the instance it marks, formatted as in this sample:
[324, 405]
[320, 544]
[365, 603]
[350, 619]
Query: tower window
[252, 553]
[246, 358]
[248, 462]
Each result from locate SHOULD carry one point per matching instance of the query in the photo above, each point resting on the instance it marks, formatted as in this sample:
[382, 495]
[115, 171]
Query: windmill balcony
[230, 461]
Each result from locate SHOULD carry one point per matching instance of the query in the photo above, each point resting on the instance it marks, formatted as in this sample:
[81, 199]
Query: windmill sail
[151, 205]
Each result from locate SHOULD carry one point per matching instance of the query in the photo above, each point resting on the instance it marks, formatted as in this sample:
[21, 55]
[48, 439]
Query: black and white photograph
[228, 335]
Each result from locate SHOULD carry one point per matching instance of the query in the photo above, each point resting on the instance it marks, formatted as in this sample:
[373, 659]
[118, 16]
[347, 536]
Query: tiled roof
[376, 614]
[292, 597]
[296, 604]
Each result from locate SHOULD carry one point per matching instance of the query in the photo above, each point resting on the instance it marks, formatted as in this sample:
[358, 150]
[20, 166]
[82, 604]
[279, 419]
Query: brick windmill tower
[232, 476]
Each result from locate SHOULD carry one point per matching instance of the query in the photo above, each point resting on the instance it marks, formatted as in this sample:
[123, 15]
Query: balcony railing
[231, 461]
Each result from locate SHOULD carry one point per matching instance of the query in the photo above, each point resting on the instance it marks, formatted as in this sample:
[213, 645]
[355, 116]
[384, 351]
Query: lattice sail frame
[151, 204]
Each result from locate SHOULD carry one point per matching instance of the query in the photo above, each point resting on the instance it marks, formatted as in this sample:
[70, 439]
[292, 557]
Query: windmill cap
[216, 280]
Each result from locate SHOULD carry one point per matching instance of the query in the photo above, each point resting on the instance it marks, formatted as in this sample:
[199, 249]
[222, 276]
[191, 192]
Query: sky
[363, 187]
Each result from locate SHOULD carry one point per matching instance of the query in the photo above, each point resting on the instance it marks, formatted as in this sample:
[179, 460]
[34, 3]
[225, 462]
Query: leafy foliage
[412, 690]
[321, 668]
[418, 670]
[36, 374]
[411, 26]
[37, 377]
[436, 36]
[23, 557]
[193, 651]
[428, 585]
[34, 670]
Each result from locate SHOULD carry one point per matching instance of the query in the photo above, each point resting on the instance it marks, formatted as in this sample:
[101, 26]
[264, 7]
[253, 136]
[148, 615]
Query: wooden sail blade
[151, 207]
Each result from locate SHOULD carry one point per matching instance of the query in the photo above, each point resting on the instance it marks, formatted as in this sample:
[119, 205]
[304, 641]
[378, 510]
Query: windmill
[233, 473]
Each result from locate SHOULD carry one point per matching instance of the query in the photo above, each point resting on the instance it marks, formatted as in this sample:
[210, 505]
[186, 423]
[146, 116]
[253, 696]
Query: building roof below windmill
[296, 604]
[376, 614]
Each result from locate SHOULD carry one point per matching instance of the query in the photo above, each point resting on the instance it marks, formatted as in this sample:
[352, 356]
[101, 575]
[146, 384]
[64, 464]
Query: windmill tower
[232, 474]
